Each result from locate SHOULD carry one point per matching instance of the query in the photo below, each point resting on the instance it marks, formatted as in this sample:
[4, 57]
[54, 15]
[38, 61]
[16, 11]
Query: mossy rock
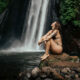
[63, 59]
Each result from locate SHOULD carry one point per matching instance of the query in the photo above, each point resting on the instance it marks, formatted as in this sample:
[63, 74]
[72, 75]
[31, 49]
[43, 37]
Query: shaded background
[11, 26]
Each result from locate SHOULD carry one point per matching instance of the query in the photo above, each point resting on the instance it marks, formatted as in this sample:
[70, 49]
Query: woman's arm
[48, 36]
[48, 33]
[43, 38]
[53, 34]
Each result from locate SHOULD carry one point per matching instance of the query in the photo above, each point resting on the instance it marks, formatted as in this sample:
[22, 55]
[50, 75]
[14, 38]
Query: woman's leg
[55, 48]
[47, 48]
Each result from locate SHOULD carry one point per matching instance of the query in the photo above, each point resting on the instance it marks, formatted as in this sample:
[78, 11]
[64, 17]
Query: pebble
[76, 76]
[46, 74]
[28, 75]
[48, 79]
[64, 70]
[35, 72]
[78, 70]
[38, 78]
[73, 72]
[62, 74]
[79, 75]
[25, 78]
[43, 75]
[73, 76]
[68, 69]
[78, 60]
[67, 76]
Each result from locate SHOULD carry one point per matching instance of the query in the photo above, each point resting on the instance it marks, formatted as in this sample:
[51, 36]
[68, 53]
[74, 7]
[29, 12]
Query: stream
[12, 64]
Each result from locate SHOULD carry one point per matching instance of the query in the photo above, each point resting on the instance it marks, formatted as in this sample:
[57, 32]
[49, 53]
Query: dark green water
[13, 63]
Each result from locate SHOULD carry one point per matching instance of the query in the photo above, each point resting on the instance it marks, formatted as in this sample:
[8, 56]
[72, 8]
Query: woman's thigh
[55, 48]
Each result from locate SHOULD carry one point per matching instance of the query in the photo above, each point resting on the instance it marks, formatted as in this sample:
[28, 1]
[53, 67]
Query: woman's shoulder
[50, 30]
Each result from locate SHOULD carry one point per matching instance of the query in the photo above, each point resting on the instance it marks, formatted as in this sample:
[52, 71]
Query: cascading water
[30, 20]
[33, 27]
[35, 24]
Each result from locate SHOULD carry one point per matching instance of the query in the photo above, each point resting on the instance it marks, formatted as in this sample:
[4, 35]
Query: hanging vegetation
[70, 12]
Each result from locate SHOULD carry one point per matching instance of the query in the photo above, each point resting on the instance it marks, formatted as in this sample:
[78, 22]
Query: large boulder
[56, 67]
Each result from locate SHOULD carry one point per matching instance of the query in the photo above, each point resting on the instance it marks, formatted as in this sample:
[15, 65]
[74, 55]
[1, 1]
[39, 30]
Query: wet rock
[28, 74]
[68, 69]
[74, 57]
[43, 75]
[73, 72]
[78, 70]
[62, 74]
[76, 76]
[67, 76]
[78, 60]
[56, 67]
[73, 76]
[52, 72]
[25, 78]
[48, 79]
[57, 75]
[79, 75]
[47, 70]
[38, 78]
[35, 72]
[24, 75]
[77, 79]
[64, 70]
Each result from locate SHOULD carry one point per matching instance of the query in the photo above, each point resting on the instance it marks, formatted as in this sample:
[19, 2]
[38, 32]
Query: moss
[43, 64]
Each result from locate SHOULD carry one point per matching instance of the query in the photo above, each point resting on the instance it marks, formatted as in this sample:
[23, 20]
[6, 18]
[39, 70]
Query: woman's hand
[42, 39]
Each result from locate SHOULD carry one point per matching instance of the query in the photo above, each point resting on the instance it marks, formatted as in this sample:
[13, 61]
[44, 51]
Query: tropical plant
[3, 5]
[69, 12]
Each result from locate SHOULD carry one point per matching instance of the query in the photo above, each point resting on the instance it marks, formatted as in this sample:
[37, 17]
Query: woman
[52, 40]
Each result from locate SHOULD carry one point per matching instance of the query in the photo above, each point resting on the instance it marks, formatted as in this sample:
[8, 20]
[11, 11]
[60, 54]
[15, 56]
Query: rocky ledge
[55, 67]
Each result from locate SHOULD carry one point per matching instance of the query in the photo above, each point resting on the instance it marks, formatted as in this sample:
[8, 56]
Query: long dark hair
[58, 25]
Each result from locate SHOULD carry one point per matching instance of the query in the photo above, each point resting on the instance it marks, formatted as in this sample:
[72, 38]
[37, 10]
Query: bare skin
[55, 45]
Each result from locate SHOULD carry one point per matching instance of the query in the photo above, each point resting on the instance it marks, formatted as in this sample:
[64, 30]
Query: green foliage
[3, 5]
[69, 11]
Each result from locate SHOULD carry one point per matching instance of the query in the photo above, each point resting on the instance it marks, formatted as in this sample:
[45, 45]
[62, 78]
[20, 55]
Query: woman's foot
[44, 56]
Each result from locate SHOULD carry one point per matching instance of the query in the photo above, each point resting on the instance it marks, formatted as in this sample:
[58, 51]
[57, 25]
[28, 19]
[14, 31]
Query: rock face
[56, 67]
[62, 61]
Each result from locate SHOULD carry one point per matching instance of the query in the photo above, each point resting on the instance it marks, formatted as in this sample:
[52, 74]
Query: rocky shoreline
[55, 67]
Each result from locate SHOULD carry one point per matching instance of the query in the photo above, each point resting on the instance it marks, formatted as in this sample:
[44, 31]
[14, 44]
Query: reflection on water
[12, 64]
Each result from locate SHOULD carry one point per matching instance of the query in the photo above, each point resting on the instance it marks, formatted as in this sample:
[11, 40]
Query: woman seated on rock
[52, 40]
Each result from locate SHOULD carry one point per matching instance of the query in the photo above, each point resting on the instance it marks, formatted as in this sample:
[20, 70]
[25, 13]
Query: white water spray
[36, 23]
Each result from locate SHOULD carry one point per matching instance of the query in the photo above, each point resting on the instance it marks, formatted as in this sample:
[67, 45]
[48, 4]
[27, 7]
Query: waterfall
[35, 24]
[33, 27]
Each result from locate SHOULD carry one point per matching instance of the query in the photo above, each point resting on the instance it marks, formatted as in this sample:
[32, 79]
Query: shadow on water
[12, 64]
